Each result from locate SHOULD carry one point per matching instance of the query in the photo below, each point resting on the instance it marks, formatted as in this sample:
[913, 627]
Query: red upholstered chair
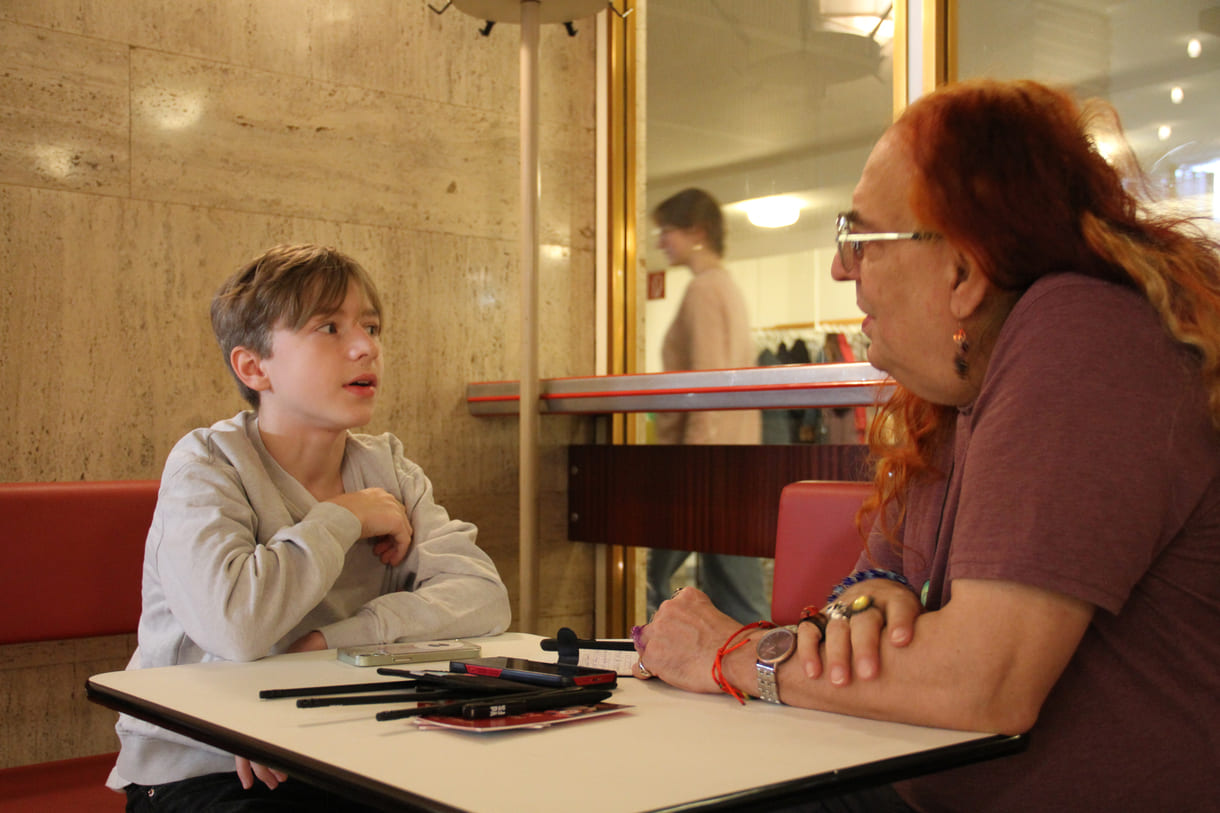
[73, 558]
[74, 554]
[816, 543]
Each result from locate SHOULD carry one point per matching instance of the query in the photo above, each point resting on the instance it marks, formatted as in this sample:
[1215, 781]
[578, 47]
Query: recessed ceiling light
[1194, 48]
[773, 212]
[1176, 95]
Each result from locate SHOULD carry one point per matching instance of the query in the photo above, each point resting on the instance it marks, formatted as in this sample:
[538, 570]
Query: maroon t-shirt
[1088, 465]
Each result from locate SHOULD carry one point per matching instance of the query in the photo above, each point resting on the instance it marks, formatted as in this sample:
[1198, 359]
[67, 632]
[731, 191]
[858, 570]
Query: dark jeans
[870, 800]
[223, 793]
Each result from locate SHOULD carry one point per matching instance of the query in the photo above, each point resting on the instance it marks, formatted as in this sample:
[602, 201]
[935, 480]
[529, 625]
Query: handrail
[784, 386]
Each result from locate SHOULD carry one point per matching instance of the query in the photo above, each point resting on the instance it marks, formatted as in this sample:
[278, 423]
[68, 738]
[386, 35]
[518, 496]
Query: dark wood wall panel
[719, 499]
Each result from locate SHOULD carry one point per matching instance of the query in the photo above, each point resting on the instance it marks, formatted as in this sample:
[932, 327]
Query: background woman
[711, 331]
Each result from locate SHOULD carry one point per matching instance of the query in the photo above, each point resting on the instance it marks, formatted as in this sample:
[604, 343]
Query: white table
[673, 748]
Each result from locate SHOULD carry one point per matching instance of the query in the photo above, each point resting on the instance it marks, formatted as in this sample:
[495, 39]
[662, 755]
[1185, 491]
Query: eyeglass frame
[843, 236]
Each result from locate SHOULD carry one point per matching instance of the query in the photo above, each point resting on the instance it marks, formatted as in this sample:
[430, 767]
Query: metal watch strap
[768, 688]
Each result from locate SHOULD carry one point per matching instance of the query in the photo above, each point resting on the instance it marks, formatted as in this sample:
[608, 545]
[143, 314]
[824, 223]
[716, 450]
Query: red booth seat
[73, 556]
[816, 543]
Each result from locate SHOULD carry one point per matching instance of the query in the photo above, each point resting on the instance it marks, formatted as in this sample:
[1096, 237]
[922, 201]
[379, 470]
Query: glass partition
[770, 107]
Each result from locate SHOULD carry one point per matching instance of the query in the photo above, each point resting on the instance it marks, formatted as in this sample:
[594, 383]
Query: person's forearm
[985, 662]
[912, 687]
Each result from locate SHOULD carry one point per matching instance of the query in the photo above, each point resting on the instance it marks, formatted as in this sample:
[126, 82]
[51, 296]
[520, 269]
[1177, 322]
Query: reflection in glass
[771, 107]
[709, 332]
[1157, 63]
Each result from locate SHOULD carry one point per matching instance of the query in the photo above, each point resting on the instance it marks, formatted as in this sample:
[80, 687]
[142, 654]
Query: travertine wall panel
[63, 111]
[148, 148]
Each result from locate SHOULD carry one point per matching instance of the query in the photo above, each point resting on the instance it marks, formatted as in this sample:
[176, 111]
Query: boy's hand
[391, 550]
[247, 771]
[380, 515]
[313, 641]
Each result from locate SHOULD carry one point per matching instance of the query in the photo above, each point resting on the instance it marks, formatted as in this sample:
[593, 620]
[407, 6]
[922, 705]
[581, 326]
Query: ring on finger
[643, 669]
[840, 610]
[636, 632]
[815, 617]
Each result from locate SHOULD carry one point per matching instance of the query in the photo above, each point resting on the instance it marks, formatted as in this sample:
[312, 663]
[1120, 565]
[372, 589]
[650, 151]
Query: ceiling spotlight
[1164, 132]
[1176, 95]
[1194, 48]
[772, 212]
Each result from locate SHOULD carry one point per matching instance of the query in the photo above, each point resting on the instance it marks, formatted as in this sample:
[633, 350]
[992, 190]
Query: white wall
[787, 289]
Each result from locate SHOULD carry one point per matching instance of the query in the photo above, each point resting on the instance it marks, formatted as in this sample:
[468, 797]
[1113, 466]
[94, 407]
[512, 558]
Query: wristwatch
[773, 649]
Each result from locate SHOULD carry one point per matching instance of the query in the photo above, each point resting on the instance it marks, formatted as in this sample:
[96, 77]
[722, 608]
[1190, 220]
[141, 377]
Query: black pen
[485, 708]
[460, 681]
[346, 688]
[373, 699]
[455, 707]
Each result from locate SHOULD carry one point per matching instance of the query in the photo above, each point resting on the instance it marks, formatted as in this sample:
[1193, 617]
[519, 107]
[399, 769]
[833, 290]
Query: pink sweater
[710, 332]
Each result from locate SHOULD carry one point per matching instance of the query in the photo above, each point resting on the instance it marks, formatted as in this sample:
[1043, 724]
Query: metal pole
[529, 418]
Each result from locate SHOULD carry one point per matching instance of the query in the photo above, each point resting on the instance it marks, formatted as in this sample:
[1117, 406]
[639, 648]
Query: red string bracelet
[729, 646]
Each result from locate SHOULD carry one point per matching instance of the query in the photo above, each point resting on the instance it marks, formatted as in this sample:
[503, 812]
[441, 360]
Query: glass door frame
[923, 59]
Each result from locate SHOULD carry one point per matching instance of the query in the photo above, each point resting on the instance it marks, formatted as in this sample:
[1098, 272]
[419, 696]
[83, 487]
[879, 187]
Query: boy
[279, 530]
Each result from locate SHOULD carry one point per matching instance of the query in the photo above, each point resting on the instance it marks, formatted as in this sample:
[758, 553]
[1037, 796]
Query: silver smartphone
[414, 652]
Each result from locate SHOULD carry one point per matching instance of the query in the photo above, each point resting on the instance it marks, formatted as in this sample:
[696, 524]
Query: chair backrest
[73, 558]
[816, 543]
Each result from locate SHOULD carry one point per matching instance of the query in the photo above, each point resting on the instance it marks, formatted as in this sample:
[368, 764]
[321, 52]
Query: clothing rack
[813, 334]
[806, 342]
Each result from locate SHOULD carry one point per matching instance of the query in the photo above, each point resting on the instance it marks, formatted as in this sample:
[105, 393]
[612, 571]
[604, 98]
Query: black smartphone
[536, 672]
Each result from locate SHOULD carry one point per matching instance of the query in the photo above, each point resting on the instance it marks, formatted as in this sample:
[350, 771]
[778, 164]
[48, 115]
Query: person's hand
[382, 517]
[853, 645]
[247, 771]
[313, 641]
[679, 644]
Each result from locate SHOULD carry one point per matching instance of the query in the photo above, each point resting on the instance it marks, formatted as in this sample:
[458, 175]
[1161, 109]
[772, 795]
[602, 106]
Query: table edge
[393, 798]
[336, 780]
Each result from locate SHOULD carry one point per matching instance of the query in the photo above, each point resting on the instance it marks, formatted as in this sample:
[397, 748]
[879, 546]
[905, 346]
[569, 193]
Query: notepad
[620, 661]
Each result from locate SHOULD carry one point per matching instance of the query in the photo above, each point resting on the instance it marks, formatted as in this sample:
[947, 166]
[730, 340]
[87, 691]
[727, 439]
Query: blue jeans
[735, 584]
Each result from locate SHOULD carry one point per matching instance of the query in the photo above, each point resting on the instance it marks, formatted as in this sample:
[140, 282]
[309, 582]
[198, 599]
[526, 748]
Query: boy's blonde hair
[285, 286]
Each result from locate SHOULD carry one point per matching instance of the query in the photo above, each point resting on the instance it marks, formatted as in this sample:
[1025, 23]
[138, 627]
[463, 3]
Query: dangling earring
[963, 347]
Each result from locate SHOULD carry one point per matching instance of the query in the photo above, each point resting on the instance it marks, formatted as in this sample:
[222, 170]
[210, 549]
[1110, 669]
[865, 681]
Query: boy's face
[325, 375]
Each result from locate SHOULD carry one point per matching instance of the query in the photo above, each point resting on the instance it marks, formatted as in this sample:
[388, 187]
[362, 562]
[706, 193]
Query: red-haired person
[1047, 558]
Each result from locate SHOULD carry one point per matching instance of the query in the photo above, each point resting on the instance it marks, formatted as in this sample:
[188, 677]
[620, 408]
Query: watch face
[776, 645]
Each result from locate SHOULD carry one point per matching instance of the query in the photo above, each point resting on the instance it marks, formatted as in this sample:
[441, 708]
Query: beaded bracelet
[863, 576]
[717, 666]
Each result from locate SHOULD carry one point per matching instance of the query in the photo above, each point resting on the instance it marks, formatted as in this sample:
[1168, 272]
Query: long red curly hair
[1010, 174]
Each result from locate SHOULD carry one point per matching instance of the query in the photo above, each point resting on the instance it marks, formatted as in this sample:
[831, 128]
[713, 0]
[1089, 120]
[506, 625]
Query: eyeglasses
[851, 246]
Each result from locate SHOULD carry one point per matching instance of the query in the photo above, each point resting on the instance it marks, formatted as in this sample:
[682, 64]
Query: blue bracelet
[863, 576]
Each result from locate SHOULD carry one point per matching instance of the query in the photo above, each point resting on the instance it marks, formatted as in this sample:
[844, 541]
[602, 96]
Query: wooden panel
[719, 499]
